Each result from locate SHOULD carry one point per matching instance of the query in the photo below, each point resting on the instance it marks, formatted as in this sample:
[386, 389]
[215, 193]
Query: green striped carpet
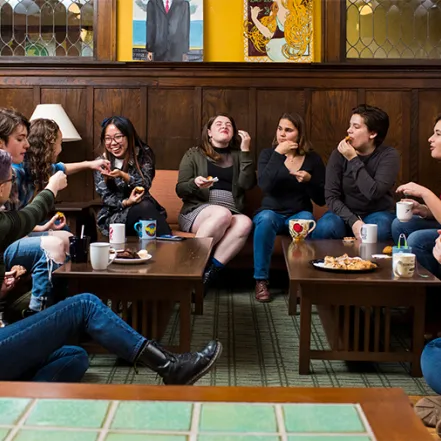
[261, 347]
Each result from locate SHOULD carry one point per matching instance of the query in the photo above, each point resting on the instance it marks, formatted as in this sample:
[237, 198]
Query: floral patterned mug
[300, 228]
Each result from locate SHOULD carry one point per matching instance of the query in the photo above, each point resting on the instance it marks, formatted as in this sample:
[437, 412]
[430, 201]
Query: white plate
[133, 261]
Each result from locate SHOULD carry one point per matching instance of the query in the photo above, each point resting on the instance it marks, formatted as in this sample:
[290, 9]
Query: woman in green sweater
[35, 348]
[213, 178]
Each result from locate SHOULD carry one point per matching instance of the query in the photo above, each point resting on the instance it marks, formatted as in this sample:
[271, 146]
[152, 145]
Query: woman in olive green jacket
[212, 182]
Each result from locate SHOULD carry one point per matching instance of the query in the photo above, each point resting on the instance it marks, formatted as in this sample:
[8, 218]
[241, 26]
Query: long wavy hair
[206, 145]
[134, 142]
[10, 119]
[302, 140]
[39, 158]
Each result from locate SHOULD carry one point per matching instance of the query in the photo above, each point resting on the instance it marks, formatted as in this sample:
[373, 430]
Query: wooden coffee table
[145, 294]
[355, 309]
[107, 412]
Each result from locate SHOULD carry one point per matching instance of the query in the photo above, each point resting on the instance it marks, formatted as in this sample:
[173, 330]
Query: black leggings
[143, 211]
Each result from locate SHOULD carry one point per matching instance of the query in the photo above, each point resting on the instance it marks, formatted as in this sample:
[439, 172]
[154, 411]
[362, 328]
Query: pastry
[345, 262]
[139, 190]
[60, 215]
[127, 254]
[387, 250]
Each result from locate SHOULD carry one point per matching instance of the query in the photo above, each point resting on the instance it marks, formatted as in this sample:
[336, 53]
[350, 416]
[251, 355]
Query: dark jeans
[34, 348]
[143, 211]
[431, 364]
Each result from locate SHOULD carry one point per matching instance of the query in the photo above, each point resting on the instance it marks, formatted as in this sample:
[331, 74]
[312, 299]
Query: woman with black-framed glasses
[125, 189]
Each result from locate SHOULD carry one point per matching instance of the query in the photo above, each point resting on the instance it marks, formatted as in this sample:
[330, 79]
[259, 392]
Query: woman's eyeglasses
[13, 179]
[117, 138]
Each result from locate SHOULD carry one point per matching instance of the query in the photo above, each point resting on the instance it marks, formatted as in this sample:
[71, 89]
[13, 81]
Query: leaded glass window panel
[396, 29]
[49, 28]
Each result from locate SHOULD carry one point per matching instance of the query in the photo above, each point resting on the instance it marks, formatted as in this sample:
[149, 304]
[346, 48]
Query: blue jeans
[331, 226]
[267, 225]
[28, 253]
[421, 235]
[34, 349]
[431, 364]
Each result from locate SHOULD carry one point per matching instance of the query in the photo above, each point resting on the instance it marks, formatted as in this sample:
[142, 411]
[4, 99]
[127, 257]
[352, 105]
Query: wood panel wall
[169, 104]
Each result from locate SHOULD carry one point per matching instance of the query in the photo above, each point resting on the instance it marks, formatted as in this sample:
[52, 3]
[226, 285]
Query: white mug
[117, 233]
[100, 255]
[404, 211]
[368, 233]
[403, 264]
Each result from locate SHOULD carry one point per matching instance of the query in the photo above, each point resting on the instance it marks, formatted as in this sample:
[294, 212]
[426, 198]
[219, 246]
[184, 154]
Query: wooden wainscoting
[168, 103]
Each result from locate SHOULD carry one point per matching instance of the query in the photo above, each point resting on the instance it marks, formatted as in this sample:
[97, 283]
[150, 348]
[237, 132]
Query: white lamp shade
[57, 114]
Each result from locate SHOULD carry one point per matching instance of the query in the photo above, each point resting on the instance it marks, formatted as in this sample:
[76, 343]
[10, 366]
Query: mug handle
[397, 268]
[137, 227]
[111, 259]
[314, 224]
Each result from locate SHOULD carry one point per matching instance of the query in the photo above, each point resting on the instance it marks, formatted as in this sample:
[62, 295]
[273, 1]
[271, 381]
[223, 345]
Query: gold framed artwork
[278, 30]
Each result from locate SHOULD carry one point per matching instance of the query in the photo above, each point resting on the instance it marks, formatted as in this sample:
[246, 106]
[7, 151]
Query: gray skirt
[223, 198]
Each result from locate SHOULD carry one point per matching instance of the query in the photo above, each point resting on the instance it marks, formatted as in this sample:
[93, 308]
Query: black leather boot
[179, 368]
[211, 273]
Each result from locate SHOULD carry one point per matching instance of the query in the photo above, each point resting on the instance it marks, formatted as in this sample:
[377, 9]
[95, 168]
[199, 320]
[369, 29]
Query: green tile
[3, 434]
[322, 418]
[68, 413]
[138, 437]
[238, 438]
[153, 415]
[55, 435]
[329, 438]
[11, 409]
[223, 417]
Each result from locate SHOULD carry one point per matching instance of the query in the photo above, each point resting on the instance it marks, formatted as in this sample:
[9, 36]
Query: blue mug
[146, 229]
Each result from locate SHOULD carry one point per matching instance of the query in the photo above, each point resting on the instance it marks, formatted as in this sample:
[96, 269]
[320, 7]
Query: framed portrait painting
[278, 30]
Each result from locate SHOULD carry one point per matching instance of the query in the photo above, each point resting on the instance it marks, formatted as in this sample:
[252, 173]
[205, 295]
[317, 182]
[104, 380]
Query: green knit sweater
[194, 164]
[16, 224]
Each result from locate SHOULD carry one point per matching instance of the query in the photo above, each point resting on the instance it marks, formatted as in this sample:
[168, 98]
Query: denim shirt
[25, 187]
[114, 191]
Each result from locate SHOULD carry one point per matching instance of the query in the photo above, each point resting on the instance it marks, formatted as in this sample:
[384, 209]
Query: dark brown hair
[206, 145]
[438, 118]
[10, 119]
[299, 123]
[5, 165]
[39, 157]
[376, 120]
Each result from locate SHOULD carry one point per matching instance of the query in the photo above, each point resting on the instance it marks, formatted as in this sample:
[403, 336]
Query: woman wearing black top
[290, 175]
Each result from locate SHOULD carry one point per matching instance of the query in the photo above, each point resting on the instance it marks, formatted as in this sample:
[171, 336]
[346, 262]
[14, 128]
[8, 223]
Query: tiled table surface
[23, 419]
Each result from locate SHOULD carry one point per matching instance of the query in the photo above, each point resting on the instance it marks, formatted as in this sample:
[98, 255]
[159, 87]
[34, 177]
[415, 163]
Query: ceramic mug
[403, 264]
[300, 228]
[100, 257]
[146, 229]
[117, 233]
[404, 211]
[368, 233]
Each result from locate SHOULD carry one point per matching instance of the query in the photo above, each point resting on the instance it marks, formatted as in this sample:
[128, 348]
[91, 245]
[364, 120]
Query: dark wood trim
[105, 30]
[334, 30]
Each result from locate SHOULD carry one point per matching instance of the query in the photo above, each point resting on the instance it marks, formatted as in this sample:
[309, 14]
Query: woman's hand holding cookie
[202, 182]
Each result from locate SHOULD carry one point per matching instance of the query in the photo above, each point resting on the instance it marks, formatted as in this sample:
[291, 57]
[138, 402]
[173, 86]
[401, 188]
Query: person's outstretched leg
[26, 344]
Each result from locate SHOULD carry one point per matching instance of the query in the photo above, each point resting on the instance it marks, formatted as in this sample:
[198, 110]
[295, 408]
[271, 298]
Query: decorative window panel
[46, 28]
[396, 29]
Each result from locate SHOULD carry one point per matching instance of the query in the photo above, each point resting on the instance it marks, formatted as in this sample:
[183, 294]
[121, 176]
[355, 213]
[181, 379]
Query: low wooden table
[148, 292]
[184, 412]
[355, 309]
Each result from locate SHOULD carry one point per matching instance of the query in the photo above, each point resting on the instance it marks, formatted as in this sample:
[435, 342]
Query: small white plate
[133, 261]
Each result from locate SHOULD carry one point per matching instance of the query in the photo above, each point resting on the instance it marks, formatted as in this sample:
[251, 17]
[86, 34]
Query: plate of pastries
[344, 264]
[128, 256]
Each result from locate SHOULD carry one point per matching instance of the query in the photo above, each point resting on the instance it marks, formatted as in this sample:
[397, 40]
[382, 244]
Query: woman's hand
[202, 182]
[347, 150]
[52, 224]
[101, 165]
[8, 283]
[301, 175]
[419, 209]
[437, 248]
[135, 197]
[356, 229]
[57, 182]
[412, 189]
[246, 140]
[286, 147]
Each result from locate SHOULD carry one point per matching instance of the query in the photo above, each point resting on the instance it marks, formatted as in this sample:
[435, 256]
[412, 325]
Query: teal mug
[146, 229]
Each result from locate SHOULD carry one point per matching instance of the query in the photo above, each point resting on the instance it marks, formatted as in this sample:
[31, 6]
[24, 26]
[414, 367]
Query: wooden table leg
[305, 333]
[199, 298]
[418, 331]
[185, 322]
[292, 297]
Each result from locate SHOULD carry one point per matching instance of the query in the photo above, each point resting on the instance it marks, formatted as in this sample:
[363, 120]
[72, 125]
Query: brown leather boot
[262, 293]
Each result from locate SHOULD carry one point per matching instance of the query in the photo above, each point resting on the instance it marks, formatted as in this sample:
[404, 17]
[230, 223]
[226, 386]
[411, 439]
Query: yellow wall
[223, 30]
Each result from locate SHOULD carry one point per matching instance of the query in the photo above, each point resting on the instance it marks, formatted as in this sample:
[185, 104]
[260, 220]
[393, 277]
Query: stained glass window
[48, 28]
[396, 29]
